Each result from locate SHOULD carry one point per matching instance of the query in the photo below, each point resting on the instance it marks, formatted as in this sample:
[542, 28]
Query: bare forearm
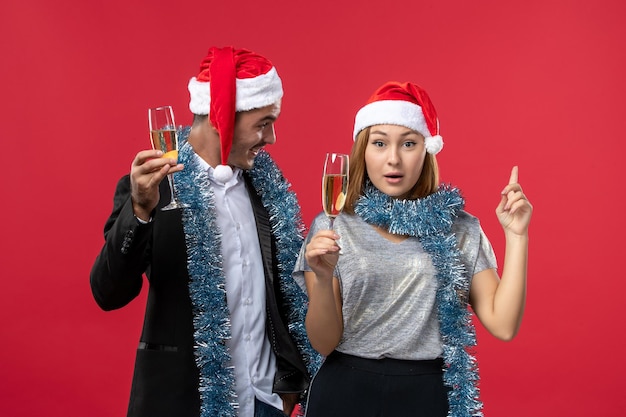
[510, 296]
[323, 321]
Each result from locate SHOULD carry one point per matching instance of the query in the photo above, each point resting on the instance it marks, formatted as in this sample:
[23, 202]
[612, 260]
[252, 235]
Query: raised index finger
[513, 178]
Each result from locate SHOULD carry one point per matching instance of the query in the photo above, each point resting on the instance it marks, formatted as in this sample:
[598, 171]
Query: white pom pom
[223, 173]
[434, 144]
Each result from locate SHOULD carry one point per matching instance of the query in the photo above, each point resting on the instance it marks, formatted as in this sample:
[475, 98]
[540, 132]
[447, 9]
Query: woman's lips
[393, 178]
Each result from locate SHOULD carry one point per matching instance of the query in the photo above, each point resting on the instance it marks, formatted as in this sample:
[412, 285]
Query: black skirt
[348, 386]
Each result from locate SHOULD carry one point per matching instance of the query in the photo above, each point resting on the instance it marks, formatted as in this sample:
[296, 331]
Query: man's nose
[270, 136]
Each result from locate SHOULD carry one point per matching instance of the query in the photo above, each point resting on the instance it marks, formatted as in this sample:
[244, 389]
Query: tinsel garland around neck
[430, 219]
[206, 276]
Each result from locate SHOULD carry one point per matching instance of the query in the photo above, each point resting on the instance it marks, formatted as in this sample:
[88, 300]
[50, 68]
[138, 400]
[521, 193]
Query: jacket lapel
[264, 231]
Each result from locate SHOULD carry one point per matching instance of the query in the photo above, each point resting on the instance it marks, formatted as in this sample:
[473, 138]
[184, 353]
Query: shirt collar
[238, 172]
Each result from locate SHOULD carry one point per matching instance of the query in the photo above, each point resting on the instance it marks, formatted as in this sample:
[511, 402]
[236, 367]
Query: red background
[537, 83]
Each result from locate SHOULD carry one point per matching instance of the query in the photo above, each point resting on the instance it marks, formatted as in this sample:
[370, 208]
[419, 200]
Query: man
[223, 331]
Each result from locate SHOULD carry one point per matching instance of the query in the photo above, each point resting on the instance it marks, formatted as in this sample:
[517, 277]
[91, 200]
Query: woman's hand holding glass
[322, 252]
[334, 184]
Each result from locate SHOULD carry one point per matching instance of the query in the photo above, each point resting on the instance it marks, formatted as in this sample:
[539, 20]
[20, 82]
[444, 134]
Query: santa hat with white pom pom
[403, 104]
[232, 80]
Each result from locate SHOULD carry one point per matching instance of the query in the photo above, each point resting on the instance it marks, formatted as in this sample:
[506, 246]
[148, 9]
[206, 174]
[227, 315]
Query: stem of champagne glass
[170, 180]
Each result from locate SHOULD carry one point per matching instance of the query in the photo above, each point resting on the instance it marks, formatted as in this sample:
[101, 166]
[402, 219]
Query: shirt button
[247, 338]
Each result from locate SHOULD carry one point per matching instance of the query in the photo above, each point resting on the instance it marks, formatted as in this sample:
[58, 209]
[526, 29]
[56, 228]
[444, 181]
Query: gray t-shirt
[388, 289]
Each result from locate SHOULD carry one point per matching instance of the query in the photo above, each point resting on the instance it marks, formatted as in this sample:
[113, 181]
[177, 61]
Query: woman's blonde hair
[427, 183]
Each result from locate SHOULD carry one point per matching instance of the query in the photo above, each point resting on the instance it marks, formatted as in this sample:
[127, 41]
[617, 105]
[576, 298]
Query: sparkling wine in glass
[163, 135]
[334, 184]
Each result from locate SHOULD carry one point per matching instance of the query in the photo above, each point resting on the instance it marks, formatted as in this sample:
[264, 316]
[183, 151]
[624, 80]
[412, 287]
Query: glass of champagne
[163, 135]
[334, 184]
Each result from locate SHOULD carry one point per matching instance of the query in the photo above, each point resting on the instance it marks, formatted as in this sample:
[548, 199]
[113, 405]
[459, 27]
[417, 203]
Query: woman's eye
[409, 144]
[378, 143]
[264, 125]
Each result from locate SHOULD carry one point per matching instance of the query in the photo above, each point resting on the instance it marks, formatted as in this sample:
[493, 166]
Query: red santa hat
[232, 80]
[403, 104]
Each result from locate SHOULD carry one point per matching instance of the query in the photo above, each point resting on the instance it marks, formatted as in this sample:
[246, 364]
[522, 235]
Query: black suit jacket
[165, 381]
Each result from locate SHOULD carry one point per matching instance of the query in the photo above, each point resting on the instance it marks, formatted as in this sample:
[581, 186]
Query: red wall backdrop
[537, 83]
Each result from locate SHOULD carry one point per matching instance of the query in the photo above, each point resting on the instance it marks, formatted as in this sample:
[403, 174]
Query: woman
[389, 286]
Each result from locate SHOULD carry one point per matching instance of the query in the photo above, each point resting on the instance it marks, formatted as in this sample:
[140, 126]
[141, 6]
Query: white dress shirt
[253, 360]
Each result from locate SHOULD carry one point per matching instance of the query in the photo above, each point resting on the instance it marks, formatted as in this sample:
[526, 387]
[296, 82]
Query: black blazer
[165, 381]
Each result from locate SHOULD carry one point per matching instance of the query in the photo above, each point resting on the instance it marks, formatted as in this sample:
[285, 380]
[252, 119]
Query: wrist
[512, 237]
[142, 221]
[142, 213]
[324, 278]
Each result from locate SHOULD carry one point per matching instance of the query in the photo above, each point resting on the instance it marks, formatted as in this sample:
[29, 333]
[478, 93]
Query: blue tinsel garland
[287, 226]
[206, 276]
[430, 219]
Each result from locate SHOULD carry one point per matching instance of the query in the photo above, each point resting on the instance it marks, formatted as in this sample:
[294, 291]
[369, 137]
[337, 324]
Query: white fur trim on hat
[252, 93]
[434, 144]
[397, 112]
[223, 173]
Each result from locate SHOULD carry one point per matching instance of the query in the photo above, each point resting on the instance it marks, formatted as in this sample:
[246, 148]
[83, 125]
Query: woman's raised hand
[514, 211]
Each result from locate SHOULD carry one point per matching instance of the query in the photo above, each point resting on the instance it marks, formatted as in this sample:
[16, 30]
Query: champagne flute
[164, 138]
[334, 184]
